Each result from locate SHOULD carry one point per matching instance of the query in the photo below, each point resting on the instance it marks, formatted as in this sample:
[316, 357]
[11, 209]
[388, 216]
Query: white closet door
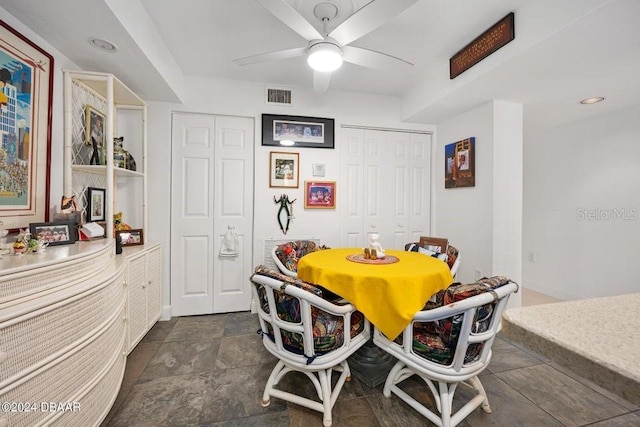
[386, 186]
[233, 207]
[212, 164]
[351, 194]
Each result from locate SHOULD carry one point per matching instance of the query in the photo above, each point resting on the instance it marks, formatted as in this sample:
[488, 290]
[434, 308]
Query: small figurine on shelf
[22, 241]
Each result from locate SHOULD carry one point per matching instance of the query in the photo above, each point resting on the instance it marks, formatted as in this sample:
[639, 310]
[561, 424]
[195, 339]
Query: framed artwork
[460, 164]
[284, 169]
[130, 237]
[298, 131]
[96, 204]
[320, 194]
[94, 132]
[54, 233]
[26, 92]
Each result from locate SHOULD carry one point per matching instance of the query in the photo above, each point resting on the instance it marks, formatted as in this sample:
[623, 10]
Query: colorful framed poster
[320, 194]
[26, 91]
[460, 164]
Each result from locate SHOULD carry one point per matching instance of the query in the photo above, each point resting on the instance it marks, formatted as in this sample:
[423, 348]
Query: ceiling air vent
[279, 96]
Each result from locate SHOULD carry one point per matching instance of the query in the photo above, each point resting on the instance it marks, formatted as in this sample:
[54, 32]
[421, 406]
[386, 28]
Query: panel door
[192, 217]
[233, 207]
[386, 186]
[351, 194]
[212, 190]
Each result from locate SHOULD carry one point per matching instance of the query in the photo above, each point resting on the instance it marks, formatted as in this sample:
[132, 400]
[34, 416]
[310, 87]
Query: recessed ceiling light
[103, 45]
[287, 142]
[593, 100]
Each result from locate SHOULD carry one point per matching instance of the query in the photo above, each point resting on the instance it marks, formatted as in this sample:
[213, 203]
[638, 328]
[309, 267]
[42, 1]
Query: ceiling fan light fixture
[325, 57]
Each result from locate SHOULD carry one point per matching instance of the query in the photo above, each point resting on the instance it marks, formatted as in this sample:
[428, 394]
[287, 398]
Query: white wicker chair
[301, 246]
[315, 356]
[466, 356]
[280, 265]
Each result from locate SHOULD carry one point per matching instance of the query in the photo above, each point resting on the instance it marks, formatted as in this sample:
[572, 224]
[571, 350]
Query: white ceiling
[564, 50]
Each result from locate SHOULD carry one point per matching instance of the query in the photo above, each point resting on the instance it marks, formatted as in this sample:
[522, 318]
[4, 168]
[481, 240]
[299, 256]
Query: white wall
[465, 215]
[581, 181]
[484, 221]
[226, 97]
[57, 145]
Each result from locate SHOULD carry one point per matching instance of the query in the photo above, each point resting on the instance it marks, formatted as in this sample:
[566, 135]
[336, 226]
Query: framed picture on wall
[284, 169]
[298, 131]
[26, 86]
[320, 194]
[460, 164]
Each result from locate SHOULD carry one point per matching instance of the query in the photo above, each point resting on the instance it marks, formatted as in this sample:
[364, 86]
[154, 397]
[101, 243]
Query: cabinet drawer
[36, 338]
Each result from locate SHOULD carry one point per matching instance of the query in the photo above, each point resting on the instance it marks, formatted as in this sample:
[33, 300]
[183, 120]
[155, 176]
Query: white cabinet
[144, 288]
[62, 334]
[125, 114]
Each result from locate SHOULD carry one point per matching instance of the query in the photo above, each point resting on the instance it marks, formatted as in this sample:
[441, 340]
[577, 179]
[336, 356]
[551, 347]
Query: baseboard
[166, 313]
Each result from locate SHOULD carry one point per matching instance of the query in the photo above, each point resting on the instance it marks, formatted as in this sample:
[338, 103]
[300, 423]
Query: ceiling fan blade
[321, 81]
[371, 58]
[271, 56]
[368, 18]
[287, 14]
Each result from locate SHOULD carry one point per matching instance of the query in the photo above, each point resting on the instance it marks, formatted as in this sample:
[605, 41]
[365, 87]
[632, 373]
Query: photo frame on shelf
[28, 71]
[94, 134]
[297, 131]
[320, 194]
[96, 204]
[284, 169]
[131, 237]
[54, 233]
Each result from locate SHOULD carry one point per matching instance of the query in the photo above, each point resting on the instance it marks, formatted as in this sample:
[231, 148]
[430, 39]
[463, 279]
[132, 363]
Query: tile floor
[211, 370]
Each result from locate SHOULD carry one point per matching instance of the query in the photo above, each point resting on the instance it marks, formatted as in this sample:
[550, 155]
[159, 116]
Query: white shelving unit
[126, 190]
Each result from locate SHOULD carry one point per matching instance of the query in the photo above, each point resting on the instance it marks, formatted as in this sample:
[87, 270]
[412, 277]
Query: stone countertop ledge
[598, 338]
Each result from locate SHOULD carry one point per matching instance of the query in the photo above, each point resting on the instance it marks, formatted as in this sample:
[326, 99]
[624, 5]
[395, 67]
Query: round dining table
[388, 291]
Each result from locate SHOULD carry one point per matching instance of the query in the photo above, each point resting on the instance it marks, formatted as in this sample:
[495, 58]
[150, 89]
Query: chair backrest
[451, 255]
[286, 255]
[452, 337]
[300, 326]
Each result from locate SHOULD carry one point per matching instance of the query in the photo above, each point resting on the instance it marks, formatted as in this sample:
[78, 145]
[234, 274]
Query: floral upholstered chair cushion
[289, 253]
[328, 329]
[436, 341]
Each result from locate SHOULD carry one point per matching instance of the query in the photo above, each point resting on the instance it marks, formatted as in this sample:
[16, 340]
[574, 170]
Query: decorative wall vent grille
[279, 96]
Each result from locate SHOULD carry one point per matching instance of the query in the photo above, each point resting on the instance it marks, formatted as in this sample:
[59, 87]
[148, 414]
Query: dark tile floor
[211, 371]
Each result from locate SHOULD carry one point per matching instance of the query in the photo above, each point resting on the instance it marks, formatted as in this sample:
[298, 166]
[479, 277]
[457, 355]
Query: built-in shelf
[101, 169]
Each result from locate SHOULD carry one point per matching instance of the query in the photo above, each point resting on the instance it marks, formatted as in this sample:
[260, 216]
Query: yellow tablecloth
[389, 295]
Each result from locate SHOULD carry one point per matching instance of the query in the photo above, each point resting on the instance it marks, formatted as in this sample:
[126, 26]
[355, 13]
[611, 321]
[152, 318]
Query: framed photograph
[96, 204]
[26, 89]
[130, 237]
[94, 122]
[297, 131]
[460, 164]
[319, 194]
[284, 169]
[54, 233]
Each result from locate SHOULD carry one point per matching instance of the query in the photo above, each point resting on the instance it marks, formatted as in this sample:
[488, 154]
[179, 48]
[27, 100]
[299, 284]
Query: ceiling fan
[326, 51]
